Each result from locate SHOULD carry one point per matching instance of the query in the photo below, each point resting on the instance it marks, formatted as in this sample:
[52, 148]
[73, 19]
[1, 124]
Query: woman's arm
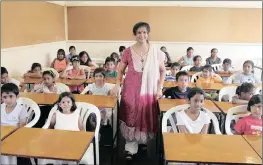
[204, 129]
[53, 121]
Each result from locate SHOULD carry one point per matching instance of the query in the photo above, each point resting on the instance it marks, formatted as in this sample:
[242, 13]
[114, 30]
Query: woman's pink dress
[136, 124]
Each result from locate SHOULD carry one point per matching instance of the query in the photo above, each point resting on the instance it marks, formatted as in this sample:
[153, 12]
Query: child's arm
[22, 118]
[236, 100]
[80, 124]
[239, 127]
[64, 74]
[204, 129]
[52, 64]
[181, 60]
[53, 121]
[92, 64]
[80, 77]
[182, 129]
[33, 75]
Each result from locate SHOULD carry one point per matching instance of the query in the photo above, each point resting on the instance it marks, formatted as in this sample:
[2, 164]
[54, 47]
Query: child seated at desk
[226, 68]
[194, 119]
[243, 93]
[61, 62]
[197, 64]
[35, 71]
[110, 68]
[175, 68]
[181, 90]
[251, 124]
[188, 58]
[117, 59]
[6, 79]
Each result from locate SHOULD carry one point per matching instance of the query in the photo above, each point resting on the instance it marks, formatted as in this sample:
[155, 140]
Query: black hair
[256, 99]
[34, 65]
[62, 51]
[227, 60]
[121, 48]
[75, 58]
[49, 72]
[180, 73]
[139, 25]
[71, 96]
[82, 54]
[109, 59]
[251, 63]
[10, 88]
[72, 47]
[168, 57]
[175, 64]
[195, 91]
[115, 54]
[3, 70]
[214, 49]
[189, 48]
[162, 47]
[208, 67]
[99, 70]
[196, 57]
[245, 88]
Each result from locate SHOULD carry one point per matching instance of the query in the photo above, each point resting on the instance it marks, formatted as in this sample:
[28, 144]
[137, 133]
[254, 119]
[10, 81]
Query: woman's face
[141, 35]
[84, 58]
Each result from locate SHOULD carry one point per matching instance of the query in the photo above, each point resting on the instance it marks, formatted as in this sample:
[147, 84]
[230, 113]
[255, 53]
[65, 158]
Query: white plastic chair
[53, 70]
[85, 110]
[65, 87]
[216, 67]
[233, 114]
[168, 115]
[230, 91]
[196, 76]
[259, 90]
[186, 68]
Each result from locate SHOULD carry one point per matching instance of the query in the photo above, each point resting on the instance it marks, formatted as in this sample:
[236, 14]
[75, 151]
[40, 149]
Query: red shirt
[249, 126]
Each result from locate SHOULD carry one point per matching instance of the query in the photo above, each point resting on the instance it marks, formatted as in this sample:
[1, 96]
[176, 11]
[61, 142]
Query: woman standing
[141, 89]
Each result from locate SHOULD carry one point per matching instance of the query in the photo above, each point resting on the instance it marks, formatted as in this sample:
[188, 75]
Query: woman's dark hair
[214, 49]
[3, 70]
[256, 99]
[189, 48]
[61, 51]
[181, 73]
[208, 67]
[121, 48]
[196, 57]
[49, 72]
[10, 88]
[195, 91]
[168, 57]
[115, 54]
[71, 96]
[99, 70]
[34, 65]
[82, 54]
[245, 88]
[109, 59]
[139, 25]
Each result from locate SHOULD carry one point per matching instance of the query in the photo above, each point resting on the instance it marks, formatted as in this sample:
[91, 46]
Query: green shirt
[112, 75]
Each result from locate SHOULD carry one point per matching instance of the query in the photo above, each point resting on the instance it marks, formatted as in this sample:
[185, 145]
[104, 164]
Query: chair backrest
[168, 115]
[186, 68]
[53, 70]
[32, 109]
[230, 91]
[259, 90]
[216, 67]
[234, 114]
[195, 77]
[65, 87]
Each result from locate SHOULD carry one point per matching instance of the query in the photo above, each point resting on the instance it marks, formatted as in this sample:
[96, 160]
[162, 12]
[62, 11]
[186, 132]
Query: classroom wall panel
[169, 24]
[27, 23]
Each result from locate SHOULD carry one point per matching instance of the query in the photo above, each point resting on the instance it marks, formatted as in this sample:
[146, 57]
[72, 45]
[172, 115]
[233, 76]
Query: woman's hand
[115, 90]
[159, 93]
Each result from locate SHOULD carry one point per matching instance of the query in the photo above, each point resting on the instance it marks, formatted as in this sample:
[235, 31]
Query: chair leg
[32, 161]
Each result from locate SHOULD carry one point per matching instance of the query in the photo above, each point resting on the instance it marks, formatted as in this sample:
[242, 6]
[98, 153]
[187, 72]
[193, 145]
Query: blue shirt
[69, 56]
[170, 78]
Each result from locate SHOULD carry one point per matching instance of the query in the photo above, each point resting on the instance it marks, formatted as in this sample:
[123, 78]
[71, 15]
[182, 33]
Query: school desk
[47, 144]
[169, 84]
[220, 74]
[6, 131]
[255, 142]
[225, 106]
[107, 80]
[208, 148]
[210, 86]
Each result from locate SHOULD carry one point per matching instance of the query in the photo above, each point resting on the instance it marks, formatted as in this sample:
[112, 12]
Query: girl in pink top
[252, 124]
[75, 73]
[61, 62]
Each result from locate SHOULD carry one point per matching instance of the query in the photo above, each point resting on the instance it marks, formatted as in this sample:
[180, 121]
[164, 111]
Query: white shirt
[14, 81]
[67, 121]
[42, 88]
[13, 118]
[97, 91]
[242, 78]
[192, 126]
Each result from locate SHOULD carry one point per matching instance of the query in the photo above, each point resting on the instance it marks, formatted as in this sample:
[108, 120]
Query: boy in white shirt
[227, 68]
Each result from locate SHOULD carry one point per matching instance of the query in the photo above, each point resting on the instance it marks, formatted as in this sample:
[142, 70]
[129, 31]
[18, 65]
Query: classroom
[131, 82]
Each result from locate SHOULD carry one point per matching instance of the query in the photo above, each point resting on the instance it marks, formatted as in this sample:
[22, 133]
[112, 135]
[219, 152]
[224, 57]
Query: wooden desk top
[7, 130]
[107, 80]
[220, 74]
[207, 148]
[47, 144]
[166, 104]
[225, 106]
[210, 86]
[169, 84]
[255, 142]
[47, 98]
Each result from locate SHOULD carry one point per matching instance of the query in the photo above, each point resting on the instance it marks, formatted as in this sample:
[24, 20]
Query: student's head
[75, 61]
[4, 75]
[110, 64]
[227, 64]
[175, 68]
[48, 78]
[66, 102]
[197, 60]
[115, 56]
[121, 49]
[141, 31]
[245, 91]
[9, 93]
[163, 48]
[189, 52]
[72, 50]
[61, 54]
[36, 68]
[84, 58]
[255, 105]
[99, 75]
[182, 78]
[248, 67]
[196, 98]
[207, 70]
[214, 52]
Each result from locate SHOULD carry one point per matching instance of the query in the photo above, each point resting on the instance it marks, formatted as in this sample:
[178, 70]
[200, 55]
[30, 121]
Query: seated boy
[110, 68]
[197, 64]
[180, 91]
[6, 79]
[226, 69]
[175, 68]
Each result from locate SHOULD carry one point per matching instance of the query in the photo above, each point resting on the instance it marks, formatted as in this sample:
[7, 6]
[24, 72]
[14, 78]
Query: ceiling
[226, 4]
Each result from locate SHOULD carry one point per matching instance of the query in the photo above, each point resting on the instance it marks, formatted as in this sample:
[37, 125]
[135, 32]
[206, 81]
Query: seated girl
[61, 62]
[115, 56]
[35, 71]
[86, 60]
[188, 59]
[243, 93]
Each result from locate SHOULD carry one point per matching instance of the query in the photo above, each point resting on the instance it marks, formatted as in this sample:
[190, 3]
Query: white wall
[18, 60]
[238, 53]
